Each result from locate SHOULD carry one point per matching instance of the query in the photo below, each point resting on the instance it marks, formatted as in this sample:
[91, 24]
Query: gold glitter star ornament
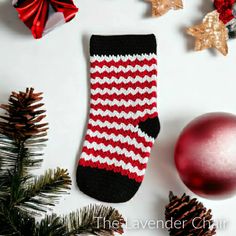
[161, 7]
[212, 33]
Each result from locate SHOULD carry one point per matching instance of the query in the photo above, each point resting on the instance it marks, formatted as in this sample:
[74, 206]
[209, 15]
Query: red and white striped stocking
[123, 121]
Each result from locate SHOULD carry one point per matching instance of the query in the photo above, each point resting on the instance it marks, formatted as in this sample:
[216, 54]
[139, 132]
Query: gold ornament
[160, 7]
[212, 33]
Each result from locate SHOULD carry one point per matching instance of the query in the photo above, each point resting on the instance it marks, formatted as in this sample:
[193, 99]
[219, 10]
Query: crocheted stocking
[123, 120]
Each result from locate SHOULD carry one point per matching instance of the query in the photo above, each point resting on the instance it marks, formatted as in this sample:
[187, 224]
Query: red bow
[34, 13]
[225, 9]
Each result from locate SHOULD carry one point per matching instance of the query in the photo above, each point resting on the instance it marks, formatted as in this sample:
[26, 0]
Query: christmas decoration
[205, 155]
[161, 7]
[189, 217]
[217, 27]
[23, 195]
[41, 16]
[123, 122]
[225, 9]
[227, 14]
[212, 33]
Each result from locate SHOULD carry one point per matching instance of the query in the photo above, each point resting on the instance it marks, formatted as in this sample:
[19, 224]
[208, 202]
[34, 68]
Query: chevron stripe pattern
[123, 95]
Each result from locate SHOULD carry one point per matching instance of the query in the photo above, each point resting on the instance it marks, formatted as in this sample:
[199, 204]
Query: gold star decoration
[160, 7]
[212, 33]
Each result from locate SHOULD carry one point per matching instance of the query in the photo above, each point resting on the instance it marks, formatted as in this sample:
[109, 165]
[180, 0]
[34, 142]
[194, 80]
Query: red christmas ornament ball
[205, 155]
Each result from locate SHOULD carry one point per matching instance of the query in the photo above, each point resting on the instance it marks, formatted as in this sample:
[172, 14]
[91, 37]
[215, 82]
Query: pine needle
[44, 191]
[95, 220]
[50, 225]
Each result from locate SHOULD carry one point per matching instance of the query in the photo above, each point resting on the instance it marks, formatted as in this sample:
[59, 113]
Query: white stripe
[120, 138]
[124, 91]
[122, 126]
[133, 115]
[139, 57]
[123, 102]
[120, 80]
[113, 161]
[123, 69]
[118, 150]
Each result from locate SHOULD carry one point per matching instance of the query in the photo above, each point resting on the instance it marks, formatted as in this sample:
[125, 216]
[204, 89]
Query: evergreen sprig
[96, 220]
[22, 195]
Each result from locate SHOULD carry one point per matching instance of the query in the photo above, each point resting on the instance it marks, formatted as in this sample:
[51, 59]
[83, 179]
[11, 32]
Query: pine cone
[22, 118]
[188, 217]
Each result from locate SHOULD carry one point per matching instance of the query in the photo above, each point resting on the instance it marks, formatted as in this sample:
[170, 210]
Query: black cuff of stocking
[122, 45]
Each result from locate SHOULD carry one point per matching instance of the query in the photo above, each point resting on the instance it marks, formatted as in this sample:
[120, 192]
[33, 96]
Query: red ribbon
[34, 13]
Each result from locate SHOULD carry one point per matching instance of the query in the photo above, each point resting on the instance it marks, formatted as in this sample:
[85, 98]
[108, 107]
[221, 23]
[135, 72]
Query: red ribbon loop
[35, 13]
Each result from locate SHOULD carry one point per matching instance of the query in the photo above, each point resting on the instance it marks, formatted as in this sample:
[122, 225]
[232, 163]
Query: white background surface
[190, 84]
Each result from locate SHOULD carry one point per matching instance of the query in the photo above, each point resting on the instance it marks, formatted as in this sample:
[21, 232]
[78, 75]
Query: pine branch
[95, 220]
[7, 227]
[8, 159]
[21, 138]
[16, 222]
[44, 190]
[8, 153]
[50, 226]
[92, 220]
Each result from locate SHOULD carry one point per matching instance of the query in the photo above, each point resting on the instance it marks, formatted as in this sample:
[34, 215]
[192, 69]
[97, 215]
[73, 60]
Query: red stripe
[113, 168]
[141, 85]
[111, 119]
[124, 63]
[119, 144]
[125, 109]
[125, 133]
[122, 120]
[125, 97]
[124, 74]
[116, 156]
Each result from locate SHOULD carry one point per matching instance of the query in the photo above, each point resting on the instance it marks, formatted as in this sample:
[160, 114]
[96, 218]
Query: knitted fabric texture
[123, 120]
